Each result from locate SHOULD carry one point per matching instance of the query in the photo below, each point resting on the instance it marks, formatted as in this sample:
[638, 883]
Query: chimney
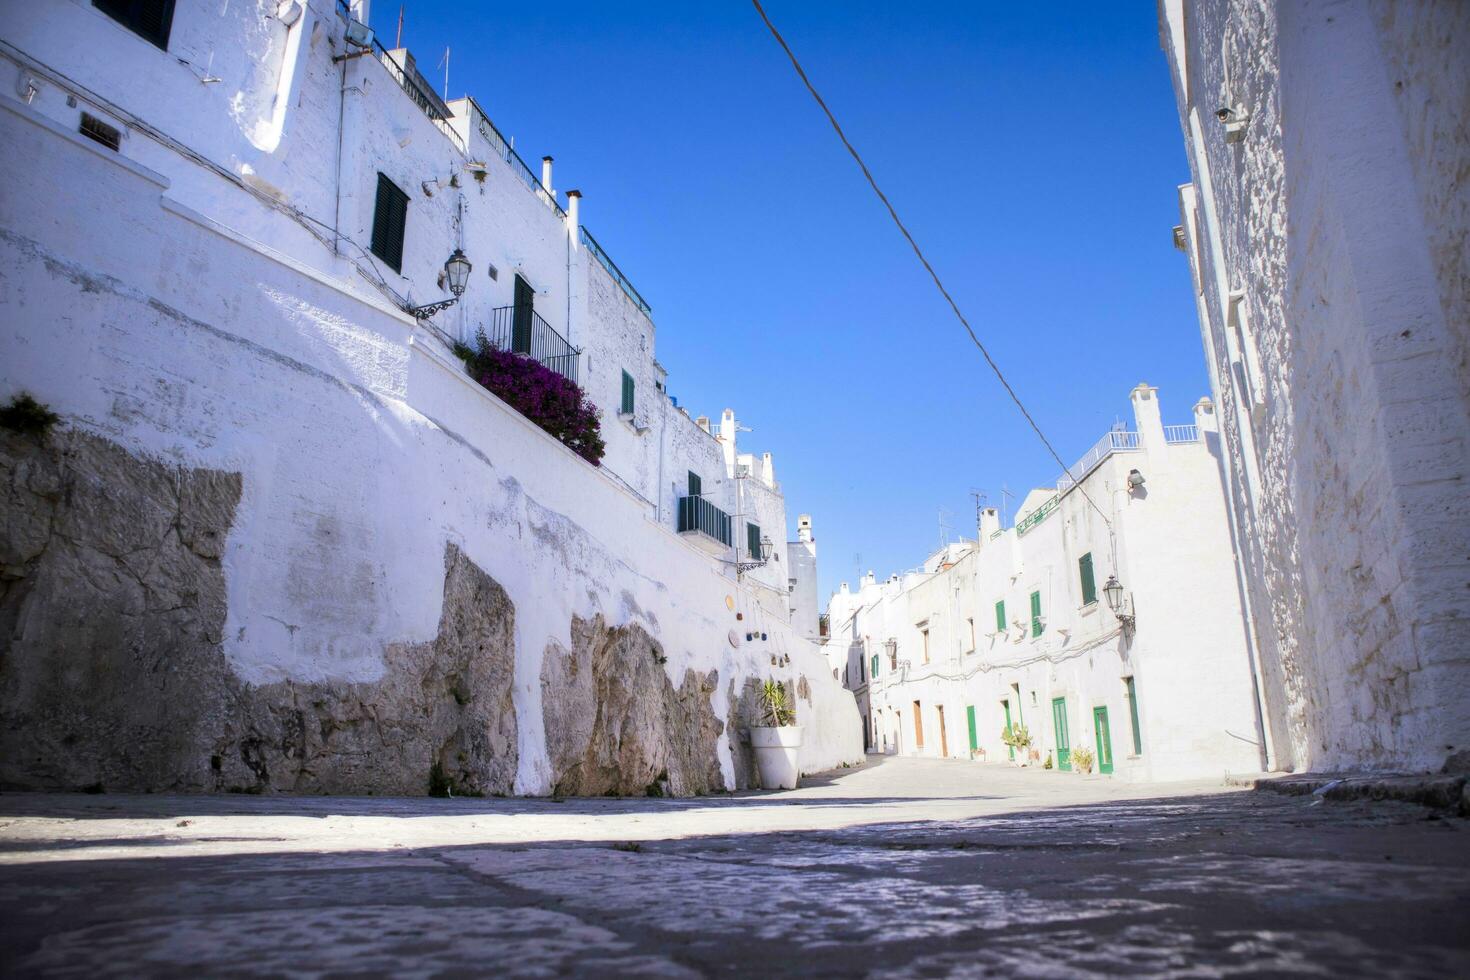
[770, 470]
[1149, 420]
[989, 523]
[703, 423]
[727, 439]
[1204, 417]
[361, 10]
[546, 175]
[574, 208]
[804, 529]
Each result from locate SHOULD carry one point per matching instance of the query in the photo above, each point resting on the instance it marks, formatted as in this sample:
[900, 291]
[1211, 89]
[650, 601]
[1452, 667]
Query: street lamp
[742, 567]
[1113, 591]
[457, 271]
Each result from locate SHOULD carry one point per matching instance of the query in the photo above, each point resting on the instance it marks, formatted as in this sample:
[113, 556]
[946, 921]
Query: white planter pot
[775, 755]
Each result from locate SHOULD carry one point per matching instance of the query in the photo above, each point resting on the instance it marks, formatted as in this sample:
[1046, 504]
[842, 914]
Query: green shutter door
[1035, 614]
[970, 717]
[1000, 616]
[1133, 716]
[1059, 729]
[521, 314]
[1089, 584]
[696, 486]
[1104, 739]
[627, 408]
[753, 540]
[1009, 748]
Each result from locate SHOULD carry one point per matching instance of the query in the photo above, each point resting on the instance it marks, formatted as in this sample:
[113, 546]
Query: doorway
[918, 727]
[1059, 727]
[943, 740]
[1104, 739]
[520, 321]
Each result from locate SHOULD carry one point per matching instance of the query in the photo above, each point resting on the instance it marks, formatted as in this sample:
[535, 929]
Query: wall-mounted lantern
[457, 271]
[1118, 602]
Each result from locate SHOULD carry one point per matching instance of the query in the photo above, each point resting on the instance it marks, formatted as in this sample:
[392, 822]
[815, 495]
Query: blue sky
[1033, 149]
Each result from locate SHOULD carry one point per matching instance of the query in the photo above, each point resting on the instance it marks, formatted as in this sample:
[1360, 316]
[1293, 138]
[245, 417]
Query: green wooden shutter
[874, 671]
[627, 408]
[149, 19]
[1133, 715]
[1036, 614]
[1089, 584]
[1000, 616]
[753, 540]
[974, 738]
[696, 486]
[390, 220]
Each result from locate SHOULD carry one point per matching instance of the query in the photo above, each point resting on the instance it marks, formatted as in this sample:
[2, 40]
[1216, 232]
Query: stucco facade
[203, 297]
[1014, 629]
[1325, 222]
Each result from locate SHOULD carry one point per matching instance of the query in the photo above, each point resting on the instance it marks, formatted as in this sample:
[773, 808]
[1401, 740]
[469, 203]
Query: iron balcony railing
[418, 89]
[1114, 442]
[615, 272]
[698, 514]
[1036, 516]
[508, 153]
[522, 331]
[1181, 433]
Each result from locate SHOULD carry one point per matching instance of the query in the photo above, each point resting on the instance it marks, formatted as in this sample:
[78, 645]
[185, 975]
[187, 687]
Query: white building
[216, 222]
[805, 607]
[1326, 222]
[1015, 629]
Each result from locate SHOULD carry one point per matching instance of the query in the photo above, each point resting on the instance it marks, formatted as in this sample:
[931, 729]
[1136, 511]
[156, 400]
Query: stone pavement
[901, 868]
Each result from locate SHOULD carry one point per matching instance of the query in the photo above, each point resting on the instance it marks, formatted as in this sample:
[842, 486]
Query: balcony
[1117, 441]
[522, 331]
[704, 525]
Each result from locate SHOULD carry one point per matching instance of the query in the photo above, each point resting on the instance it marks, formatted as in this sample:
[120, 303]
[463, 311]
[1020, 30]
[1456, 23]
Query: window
[926, 645]
[1000, 616]
[627, 407]
[95, 129]
[971, 623]
[149, 19]
[1035, 614]
[1132, 695]
[753, 540]
[1089, 584]
[696, 485]
[390, 217]
[873, 668]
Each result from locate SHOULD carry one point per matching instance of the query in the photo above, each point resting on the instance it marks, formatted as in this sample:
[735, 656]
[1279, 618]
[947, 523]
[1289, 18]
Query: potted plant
[1082, 759]
[776, 741]
[1019, 739]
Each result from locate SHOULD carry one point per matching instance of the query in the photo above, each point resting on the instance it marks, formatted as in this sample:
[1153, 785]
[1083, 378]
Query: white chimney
[989, 523]
[546, 175]
[1204, 417]
[804, 528]
[574, 210]
[770, 470]
[1150, 421]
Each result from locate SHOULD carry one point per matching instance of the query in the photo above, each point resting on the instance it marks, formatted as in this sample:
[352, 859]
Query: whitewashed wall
[1338, 223]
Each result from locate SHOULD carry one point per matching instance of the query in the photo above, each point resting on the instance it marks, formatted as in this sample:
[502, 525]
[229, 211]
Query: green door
[1059, 726]
[970, 717]
[1104, 740]
[1007, 706]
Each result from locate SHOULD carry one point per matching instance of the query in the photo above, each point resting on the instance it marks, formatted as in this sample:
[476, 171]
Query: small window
[628, 392]
[390, 219]
[753, 540]
[1089, 584]
[926, 645]
[874, 666]
[971, 623]
[1035, 614]
[1000, 616]
[95, 129]
[149, 19]
[696, 486]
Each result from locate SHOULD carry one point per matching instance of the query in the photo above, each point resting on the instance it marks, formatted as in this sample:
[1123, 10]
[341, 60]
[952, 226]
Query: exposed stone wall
[113, 676]
[615, 723]
[1340, 219]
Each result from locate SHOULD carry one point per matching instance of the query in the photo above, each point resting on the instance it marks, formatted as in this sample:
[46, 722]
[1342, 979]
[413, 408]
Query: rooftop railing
[522, 331]
[615, 272]
[418, 89]
[1181, 433]
[508, 153]
[1114, 442]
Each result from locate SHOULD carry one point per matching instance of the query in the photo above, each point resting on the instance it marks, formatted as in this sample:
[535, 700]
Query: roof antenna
[398, 39]
[445, 63]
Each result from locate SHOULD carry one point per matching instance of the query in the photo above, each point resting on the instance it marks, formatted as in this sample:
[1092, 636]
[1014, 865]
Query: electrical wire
[893, 213]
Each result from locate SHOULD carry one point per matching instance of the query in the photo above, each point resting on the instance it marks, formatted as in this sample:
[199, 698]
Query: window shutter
[753, 540]
[151, 20]
[390, 219]
[627, 408]
[1089, 584]
[874, 666]
[1035, 614]
[1000, 616]
[695, 484]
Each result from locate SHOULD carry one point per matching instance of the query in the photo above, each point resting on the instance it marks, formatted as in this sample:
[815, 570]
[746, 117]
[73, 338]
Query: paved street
[901, 868]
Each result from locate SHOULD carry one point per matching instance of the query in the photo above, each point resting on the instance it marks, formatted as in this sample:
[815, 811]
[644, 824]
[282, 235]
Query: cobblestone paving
[900, 869]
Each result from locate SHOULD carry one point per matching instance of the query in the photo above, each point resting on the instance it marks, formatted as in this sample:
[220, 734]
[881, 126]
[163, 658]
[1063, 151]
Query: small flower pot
[775, 755]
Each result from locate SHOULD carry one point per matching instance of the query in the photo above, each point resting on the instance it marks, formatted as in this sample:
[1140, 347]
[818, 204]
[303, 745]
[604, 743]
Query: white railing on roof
[1181, 433]
[1117, 441]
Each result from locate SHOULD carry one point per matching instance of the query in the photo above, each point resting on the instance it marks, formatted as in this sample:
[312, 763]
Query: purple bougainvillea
[553, 402]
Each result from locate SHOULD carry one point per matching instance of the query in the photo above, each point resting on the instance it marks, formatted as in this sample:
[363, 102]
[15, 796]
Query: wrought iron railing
[522, 331]
[1114, 442]
[698, 514]
[1181, 433]
[1037, 516]
[508, 153]
[418, 89]
[615, 272]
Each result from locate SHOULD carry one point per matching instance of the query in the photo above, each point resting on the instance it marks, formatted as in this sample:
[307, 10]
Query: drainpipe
[574, 207]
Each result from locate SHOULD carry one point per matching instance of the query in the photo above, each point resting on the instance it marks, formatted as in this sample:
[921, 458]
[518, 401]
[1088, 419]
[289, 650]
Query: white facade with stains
[206, 292]
[1015, 629]
[1327, 224]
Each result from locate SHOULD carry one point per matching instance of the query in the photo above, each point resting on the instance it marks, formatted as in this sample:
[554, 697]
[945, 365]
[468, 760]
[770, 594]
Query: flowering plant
[555, 403]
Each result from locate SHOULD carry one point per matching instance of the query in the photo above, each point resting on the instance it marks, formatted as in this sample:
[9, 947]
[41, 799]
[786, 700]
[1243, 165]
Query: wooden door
[918, 726]
[943, 740]
[1059, 728]
[1104, 739]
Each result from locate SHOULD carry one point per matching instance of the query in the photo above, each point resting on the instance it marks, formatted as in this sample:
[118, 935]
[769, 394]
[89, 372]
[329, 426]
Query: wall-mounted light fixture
[457, 272]
[1135, 480]
[1118, 602]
